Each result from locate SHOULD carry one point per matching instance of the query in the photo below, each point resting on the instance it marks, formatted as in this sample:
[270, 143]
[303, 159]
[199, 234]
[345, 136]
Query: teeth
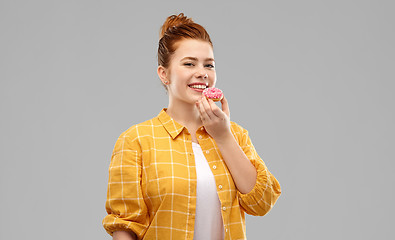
[198, 86]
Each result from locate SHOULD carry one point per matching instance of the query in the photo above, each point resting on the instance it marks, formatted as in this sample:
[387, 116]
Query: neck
[186, 114]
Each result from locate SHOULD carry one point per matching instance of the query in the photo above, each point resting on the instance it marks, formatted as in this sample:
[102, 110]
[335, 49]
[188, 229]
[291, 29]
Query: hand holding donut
[215, 120]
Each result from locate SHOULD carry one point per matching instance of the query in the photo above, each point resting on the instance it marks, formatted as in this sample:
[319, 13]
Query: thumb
[225, 106]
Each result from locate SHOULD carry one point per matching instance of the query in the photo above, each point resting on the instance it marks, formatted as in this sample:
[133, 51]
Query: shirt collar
[171, 126]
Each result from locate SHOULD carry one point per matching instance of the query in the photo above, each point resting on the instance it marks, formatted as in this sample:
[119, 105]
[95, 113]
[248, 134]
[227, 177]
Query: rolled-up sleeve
[267, 189]
[125, 205]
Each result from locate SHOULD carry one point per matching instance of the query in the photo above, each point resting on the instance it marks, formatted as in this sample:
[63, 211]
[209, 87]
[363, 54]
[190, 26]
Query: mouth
[198, 86]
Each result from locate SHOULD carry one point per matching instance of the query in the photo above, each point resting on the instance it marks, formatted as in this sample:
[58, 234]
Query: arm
[267, 190]
[124, 235]
[257, 191]
[217, 124]
[125, 203]
[257, 188]
[244, 174]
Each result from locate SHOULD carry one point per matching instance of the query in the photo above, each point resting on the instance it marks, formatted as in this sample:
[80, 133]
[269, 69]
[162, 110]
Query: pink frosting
[213, 92]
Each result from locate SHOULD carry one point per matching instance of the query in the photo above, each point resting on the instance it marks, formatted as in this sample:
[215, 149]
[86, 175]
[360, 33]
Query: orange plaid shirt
[152, 182]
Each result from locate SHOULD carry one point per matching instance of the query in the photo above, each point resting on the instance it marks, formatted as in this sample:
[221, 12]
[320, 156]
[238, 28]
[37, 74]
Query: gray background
[312, 81]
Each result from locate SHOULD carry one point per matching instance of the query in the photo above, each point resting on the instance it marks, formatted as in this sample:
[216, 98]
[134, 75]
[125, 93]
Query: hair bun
[174, 29]
[174, 21]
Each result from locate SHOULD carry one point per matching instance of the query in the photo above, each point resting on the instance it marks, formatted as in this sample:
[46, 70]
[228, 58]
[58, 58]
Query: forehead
[193, 48]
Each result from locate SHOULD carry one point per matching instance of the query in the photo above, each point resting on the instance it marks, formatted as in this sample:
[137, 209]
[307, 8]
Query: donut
[213, 93]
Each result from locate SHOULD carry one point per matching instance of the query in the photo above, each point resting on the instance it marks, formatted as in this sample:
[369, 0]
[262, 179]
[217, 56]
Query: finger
[216, 110]
[225, 106]
[207, 107]
[203, 114]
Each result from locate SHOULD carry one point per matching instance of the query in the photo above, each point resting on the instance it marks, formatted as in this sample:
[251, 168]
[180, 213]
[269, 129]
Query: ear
[162, 73]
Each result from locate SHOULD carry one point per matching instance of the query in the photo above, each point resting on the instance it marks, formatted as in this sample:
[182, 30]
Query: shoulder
[131, 137]
[140, 128]
[237, 127]
[238, 131]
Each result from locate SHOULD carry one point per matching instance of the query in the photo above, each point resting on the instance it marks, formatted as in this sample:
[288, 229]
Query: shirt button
[207, 151]
[200, 137]
[224, 208]
[220, 186]
[214, 167]
[226, 230]
[202, 128]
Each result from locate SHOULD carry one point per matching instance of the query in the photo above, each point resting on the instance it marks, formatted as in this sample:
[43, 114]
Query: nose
[201, 74]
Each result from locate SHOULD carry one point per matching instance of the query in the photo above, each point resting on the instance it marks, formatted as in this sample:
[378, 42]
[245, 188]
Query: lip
[199, 83]
[198, 89]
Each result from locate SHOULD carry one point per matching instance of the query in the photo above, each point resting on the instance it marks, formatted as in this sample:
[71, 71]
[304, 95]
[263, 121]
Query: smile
[198, 86]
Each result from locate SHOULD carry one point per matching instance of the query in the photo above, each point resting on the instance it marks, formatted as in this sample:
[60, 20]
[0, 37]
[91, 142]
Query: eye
[210, 65]
[188, 64]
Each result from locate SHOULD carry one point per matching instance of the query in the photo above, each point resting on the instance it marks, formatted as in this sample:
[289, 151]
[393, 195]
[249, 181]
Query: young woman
[189, 172]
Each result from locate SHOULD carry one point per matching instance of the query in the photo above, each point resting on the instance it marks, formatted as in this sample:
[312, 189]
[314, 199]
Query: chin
[192, 100]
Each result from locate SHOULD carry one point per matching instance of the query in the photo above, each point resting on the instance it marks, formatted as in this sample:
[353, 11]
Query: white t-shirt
[208, 220]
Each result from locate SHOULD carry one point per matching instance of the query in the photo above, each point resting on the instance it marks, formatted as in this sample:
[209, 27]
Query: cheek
[213, 77]
[178, 74]
[184, 76]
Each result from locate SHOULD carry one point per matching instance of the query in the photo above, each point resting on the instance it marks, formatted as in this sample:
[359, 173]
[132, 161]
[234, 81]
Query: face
[191, 70]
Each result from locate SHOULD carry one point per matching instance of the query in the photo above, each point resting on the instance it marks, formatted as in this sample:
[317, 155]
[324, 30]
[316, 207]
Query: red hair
[175, 29]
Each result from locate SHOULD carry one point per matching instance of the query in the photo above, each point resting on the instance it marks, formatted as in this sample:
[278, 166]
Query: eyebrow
[195, 59]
